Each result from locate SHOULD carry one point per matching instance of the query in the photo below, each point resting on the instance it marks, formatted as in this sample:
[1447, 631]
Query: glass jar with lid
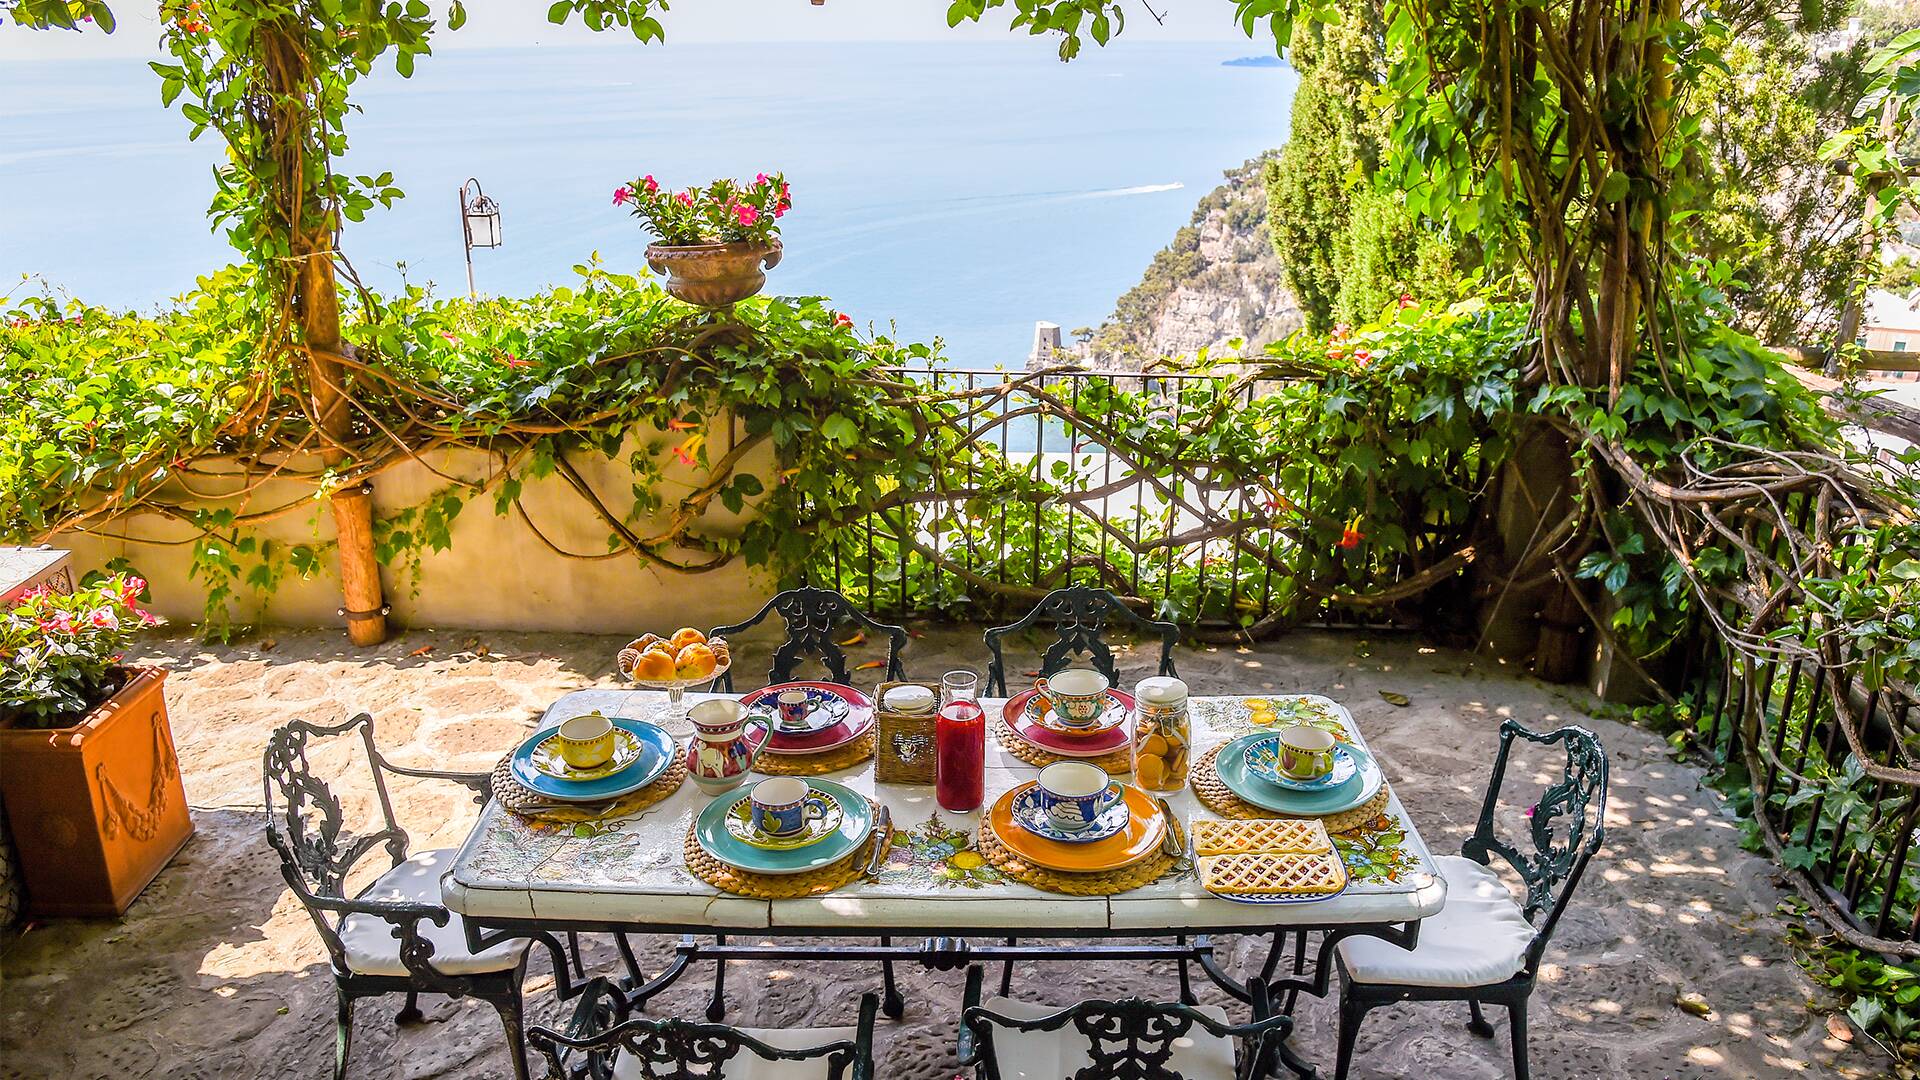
[1162, 734]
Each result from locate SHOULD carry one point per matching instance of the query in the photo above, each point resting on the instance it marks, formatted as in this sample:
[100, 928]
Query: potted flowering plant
[90, 779]
[714, 243]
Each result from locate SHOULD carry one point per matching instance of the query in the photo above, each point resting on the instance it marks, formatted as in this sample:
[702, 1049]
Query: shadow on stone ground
[216, 971]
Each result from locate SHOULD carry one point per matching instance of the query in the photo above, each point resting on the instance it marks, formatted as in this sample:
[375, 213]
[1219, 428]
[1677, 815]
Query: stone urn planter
[96, 809]
[714, 275]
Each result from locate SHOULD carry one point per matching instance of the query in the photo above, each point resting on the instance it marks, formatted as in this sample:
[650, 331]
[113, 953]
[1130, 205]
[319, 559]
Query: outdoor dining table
[516, 877]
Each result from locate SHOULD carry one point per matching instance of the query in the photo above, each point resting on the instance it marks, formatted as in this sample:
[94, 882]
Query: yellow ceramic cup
[586, 741]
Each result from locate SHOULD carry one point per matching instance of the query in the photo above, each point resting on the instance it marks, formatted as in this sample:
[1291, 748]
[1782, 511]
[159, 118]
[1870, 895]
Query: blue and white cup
[1073, 794]
[782, 806]
[795, 708]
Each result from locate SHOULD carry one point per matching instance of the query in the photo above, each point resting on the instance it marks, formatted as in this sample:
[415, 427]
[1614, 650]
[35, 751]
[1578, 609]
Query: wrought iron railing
[1832, 761]
[1068, 506]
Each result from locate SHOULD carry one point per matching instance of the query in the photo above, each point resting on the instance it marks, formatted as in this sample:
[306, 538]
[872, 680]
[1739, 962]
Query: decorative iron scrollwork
[814, 617]
[1079, 615]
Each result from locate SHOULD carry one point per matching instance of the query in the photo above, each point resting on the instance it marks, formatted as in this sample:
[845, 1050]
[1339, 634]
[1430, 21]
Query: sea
[953, 190]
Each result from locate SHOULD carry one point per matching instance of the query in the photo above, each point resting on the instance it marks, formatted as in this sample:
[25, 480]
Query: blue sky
[496, 23]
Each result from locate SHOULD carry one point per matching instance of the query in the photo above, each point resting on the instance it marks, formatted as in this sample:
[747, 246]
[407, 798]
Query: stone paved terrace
[216, 971]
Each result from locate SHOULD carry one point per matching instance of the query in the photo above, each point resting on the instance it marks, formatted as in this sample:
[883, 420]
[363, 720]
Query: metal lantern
[479, 223]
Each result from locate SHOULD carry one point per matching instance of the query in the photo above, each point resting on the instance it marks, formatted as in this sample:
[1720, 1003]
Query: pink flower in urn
[649, 183]
[747, 214]
[131, 590]
[760, 179]
[103, 619]
[621, 194]
[685, 198]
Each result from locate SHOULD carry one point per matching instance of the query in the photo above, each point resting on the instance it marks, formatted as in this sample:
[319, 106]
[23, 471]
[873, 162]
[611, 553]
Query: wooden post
[319, 307]
[310, 229]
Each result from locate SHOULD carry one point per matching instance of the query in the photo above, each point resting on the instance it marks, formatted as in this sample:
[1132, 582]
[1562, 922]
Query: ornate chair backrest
[1079, 614]
[1566, 825]
[814, 617]
[681, 1049]
[1134, 1039]
[306, 821]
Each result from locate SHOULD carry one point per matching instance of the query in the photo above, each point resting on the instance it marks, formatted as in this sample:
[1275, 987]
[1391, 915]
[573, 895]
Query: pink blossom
[621, 194]
[686, 198]
[747, 214]
[103, 619]
[760, 179]
[650, 183]
[841, 320]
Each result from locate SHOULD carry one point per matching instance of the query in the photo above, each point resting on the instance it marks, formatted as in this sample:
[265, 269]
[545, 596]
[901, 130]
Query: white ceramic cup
[1074, 793]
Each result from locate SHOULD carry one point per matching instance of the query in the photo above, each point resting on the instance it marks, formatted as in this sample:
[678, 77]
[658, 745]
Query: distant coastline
[1254, 61]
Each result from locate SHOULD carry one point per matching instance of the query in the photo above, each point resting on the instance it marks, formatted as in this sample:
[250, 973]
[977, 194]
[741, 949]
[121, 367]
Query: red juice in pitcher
[960, 756]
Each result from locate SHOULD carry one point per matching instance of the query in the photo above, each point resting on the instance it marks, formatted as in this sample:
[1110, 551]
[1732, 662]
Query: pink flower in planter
[649, 183]
[760, 179]
[103, 619]
[129, 592]
[747, 214]
[621, 194]
[841, 320]
[686, 198]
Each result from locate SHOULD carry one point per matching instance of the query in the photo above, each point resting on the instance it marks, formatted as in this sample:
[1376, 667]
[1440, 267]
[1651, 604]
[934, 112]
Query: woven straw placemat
[840, 757]
[517, 798]
[1120, 761]
[740, 882]
[1212, 791]
[1106, 883]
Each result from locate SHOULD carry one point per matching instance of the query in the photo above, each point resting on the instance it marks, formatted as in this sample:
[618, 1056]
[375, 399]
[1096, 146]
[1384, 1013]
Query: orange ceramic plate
[1141, 837]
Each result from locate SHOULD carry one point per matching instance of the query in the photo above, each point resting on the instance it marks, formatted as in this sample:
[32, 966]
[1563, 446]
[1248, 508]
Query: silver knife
[880, 846]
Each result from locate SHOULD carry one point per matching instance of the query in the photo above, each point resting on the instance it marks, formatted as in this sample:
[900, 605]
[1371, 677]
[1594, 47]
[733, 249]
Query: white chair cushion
[1478, 939]
[747, 1065]
[373, 950]
[1059, 1054]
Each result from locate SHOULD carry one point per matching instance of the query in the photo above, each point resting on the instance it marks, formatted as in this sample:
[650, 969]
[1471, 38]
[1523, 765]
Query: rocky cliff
[1219, 279]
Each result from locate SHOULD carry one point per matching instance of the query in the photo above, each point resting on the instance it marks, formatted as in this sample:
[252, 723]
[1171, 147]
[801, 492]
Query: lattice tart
[1273, 874]
[1273, 835]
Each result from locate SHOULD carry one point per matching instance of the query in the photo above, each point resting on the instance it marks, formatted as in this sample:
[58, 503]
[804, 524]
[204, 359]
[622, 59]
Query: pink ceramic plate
[1105, 742]
[858, 722]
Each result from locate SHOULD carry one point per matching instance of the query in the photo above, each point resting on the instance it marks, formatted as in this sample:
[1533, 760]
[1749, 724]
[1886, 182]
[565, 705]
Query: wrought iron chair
[1079, 613]
[813, 616]
[1484, 947]
[1134, 1039]
[603, 1043]
[394, 936]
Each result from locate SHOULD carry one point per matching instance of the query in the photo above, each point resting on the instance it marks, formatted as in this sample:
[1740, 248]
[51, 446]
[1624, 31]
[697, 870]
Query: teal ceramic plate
[718, 841]
[740, 827]
[657, 752]
[1231, 764]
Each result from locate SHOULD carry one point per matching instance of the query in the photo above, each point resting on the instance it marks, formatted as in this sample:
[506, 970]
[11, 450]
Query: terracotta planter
[713, 275]
[96, 809]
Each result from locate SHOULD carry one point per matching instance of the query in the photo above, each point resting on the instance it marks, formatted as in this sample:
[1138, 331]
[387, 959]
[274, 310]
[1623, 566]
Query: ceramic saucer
[1028, 815]
[714, 837]
[1231, 764]
[1019, 717]
[825, 708]
[857, 722]
[1040, 711]
[1263, 760]
[740, 826]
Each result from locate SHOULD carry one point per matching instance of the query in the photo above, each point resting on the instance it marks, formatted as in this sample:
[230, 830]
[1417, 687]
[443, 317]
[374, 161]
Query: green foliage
[1348, 248]
[1783, 219]
[107, 411]
[57, 650]
[1360, 457]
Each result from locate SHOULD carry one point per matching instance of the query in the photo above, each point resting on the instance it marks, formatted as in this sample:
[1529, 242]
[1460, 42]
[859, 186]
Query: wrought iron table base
[949, 953]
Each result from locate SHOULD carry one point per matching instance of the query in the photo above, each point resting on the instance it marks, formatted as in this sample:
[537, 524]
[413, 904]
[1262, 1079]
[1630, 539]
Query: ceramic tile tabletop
[631, 870]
